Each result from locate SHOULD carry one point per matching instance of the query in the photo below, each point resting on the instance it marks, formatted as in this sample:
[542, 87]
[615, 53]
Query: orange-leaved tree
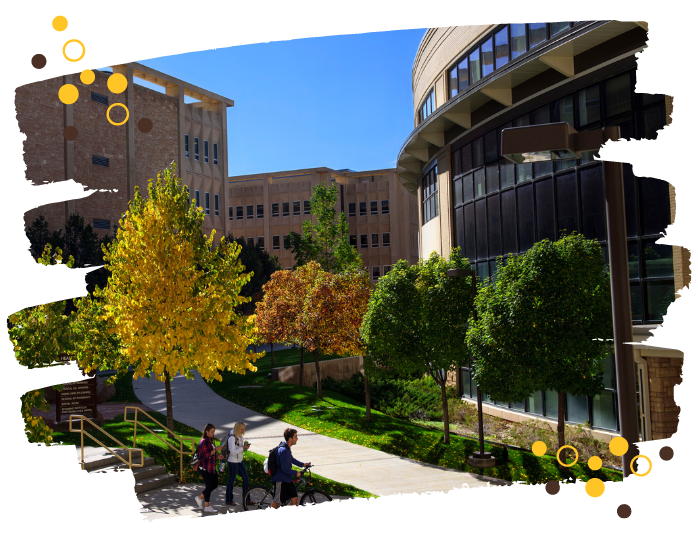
[276, 313]
[333, 310]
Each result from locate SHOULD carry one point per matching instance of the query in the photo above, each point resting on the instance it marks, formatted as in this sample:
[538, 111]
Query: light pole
[481, 459]
[560, 141]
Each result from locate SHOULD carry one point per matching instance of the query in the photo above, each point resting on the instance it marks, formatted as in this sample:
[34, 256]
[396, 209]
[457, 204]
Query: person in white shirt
[236, 447]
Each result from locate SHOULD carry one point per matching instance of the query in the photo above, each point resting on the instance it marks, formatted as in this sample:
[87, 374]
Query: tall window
[215, 204]
[296, 208]
[376, 272]
[260, 210]
[215, 154]
[385, 207]
[196, 148]
[275, 242]
[427, 107]
[197, 197]
[352, 240]
[374, 240]
[206, 151]
[374, 207]
[362, 208]
[285, 208]
[274, 209]
[186, 145]
[386, 239]
[250, 211]
[306, 207]
[239, 212]
[364, 240]
[260, 242]
[352, 209]
[230, 213]
[430, 195]
[208, 203]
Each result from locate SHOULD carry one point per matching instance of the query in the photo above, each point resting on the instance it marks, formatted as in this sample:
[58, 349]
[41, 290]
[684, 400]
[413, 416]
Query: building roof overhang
[556, 54]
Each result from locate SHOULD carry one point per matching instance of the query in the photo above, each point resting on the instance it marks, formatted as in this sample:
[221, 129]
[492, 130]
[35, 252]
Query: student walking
[283, 477]
[236, 447]
[207, 467]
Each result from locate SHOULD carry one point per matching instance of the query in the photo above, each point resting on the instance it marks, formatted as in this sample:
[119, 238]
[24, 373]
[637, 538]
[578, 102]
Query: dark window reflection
[487, 57]
[633, 260]
[508, 221]
[460, 230]
[593, 220]
[545, 217]
[466, 159]
[478, 153]
[566, 186]
[475, 66]
[518, 39]
[577, 409]
[491, 153]
[494, 223]
[556, 28]
[458, 191]
[526, 228]
[618, 95]
[501, 48]
[536, 34]
[507, 172]
[467, 187]
[492, 174]
[481, 228]
[659, 296]
[654, 202]
[479, 177]
[657, 260]
[630, 192]
[649, 121]
[469, 219]
[589, 105]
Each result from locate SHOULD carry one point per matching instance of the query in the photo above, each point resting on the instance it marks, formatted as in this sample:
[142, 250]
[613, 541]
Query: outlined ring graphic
[74, 59]
[575, 453]
[633, 461]
[117, 123]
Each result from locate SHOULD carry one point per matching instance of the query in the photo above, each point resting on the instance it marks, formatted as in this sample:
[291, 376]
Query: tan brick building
[382, 214]
[469, 84]
[116, 159]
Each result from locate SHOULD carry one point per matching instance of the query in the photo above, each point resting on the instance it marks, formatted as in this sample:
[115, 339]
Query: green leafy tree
[417, 320]
[261, 265]
[39, 335]
[544, 324]
[326, 240]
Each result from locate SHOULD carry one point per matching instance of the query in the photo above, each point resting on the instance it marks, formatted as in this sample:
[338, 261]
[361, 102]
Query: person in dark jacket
[283, 477]
[207, 467]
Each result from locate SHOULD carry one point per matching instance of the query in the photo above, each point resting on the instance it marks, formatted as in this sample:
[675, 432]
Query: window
[427, 107]
[296, 208]
[364, 240]
[260, 210]
[99, 98]
[387, 269]
[250, 241]
[374, 207]
[238, 211]
[475, 66]
[260, 242]
[285, 208]
[250, 211]
[376, 272]
[374, 240]
[100, 224]
[215, 154]
[285, 240]
[386, 239]
[487, 57]
[385, 207]
[196, 148]
[501, 48]
[430, 191]
[186, 145]
[198, 198]
[207, 199]
[362, 208]
[100, 161]
[274, 209]
[215, 204]
[352, 209]
[306, 207]
[230, 213]
[537, 33]
[352, 240]
[518, 39]
[206, 151]
[275, 240]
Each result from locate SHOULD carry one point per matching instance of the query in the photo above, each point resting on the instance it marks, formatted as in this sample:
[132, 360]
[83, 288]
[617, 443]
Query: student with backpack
[206, 454]
[236, 446]
[282, 471]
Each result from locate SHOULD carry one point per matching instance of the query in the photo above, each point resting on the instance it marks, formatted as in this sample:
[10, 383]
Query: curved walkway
[196, 404]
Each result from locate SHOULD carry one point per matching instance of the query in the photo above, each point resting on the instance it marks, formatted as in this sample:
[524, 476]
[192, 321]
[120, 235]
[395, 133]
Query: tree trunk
[368, 398]
[168, 399]
[300, 380]
[254, 348]
[272, 354]
[444, 405]
[561, 424]
[317, 374]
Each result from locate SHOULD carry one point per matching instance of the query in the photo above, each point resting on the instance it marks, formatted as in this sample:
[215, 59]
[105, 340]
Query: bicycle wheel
[261, 496]
[315, 496]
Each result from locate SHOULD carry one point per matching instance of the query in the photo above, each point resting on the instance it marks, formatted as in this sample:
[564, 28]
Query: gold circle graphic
[87, 77]
[117, 123]
[81, 45]
[539, 448]
[633, 461]
[618, 446]
[117, 83]
[59, 23]
[594, 487]
[575, 453]
[594, 463]
[68, 94]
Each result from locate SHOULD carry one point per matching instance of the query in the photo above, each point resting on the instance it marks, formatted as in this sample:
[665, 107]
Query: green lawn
[340, 417]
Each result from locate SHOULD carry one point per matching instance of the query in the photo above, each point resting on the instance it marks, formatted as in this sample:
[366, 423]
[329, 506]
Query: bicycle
[262, 496]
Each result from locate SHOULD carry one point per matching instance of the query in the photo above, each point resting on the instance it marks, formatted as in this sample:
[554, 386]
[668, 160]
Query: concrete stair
[148, 477]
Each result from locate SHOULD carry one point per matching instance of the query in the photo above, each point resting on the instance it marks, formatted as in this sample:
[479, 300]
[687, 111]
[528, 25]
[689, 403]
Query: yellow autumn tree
[171, 296]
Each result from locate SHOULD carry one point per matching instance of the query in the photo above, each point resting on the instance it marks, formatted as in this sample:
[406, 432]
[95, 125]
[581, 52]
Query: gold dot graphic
[117, 83]
[68, 94]
[59, 23]
[594, 487]
[539, 448]
[618, 446]
[594, 463]
[87, 77]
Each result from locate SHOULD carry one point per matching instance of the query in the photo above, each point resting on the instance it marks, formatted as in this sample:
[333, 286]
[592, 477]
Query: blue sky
[338, 101]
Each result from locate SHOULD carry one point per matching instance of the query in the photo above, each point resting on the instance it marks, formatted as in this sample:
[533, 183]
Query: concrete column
[396, 231]
[68, 149]
[266, 181]
[223, 164]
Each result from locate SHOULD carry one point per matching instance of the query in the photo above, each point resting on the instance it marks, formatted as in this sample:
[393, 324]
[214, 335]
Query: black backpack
[272, 461]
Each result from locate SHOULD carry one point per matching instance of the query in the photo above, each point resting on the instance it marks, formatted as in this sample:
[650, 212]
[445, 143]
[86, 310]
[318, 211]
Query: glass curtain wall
[500, 208]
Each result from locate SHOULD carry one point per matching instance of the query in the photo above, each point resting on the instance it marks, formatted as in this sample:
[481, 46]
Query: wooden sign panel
[77, 398]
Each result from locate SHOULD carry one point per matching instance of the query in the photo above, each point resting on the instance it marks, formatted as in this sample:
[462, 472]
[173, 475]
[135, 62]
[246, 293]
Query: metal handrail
[181, 440]
[82, 432]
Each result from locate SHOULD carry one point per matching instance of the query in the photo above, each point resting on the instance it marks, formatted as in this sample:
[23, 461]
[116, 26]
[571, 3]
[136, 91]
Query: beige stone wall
[339, 369]
[440, 48]
[400, 222]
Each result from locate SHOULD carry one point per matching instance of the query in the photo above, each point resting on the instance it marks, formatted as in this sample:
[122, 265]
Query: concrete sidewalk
[195, 404]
